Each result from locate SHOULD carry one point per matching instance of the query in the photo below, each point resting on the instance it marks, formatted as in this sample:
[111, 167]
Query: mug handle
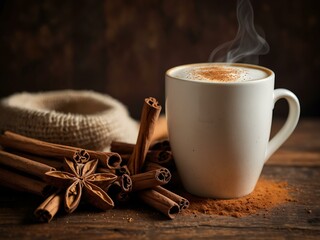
[290, 124]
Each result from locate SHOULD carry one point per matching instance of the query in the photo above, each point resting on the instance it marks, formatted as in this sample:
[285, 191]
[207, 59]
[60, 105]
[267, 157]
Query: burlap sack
[83, 119]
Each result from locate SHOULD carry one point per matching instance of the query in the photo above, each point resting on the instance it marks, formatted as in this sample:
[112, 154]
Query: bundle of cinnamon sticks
[54, 171]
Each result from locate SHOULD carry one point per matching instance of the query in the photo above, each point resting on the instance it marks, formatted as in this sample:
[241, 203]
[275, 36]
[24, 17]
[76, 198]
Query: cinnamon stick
[121, 147]
[21, 143]
[161, 129]
[149, 166]
[48, 209]
[159, 136]
[22, 183]
[110, 160]
[52, 162]
[105, 170]
[158, 150]
[158, 153]
[125, 157]
[159, 202]
[162, 157]
[120, 189]
[161, 145]
[24, 164]
[150, 179]
[175, 181]
[125, 183]
[181, 201]
[120, 171]
[150, 113]
[123, 197]
[123, 170]
[41, 148]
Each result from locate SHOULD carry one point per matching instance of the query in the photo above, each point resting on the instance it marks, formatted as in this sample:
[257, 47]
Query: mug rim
[267, 70]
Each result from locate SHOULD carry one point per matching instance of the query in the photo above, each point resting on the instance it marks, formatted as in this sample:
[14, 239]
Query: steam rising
[247, 45]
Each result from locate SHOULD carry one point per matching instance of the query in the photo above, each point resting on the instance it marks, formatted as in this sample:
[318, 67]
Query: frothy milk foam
[220, 73]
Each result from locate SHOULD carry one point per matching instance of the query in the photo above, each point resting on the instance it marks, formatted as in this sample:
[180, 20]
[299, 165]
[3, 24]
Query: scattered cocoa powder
[267, 195]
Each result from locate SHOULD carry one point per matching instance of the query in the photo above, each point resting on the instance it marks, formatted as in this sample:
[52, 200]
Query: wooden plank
[292, 220]
[295, 158]
[303, 146]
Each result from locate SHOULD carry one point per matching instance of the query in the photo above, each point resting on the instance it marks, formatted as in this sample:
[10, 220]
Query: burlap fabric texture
[84, 119]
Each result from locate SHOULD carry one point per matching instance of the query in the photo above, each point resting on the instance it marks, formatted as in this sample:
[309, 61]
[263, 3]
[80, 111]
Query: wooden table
[297, 162]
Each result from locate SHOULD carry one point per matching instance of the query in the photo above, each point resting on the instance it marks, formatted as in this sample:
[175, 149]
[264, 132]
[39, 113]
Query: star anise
[80, 178]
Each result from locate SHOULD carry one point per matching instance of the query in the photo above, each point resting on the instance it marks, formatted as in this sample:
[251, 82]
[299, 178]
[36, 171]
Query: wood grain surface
[297, 162]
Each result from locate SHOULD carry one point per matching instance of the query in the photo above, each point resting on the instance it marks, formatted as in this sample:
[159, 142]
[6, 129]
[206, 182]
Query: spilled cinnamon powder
[267, 195]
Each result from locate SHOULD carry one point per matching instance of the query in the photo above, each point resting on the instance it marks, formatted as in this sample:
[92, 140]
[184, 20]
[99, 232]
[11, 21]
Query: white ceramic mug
[219, 131]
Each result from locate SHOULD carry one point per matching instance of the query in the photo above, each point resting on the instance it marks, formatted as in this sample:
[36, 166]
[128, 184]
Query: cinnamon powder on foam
[217, 73]
[267, 195]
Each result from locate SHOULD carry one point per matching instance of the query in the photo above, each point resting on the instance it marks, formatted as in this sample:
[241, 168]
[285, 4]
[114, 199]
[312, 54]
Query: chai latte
[213, 72]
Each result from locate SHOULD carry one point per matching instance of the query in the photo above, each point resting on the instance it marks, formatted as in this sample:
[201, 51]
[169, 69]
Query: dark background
[123, 48]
